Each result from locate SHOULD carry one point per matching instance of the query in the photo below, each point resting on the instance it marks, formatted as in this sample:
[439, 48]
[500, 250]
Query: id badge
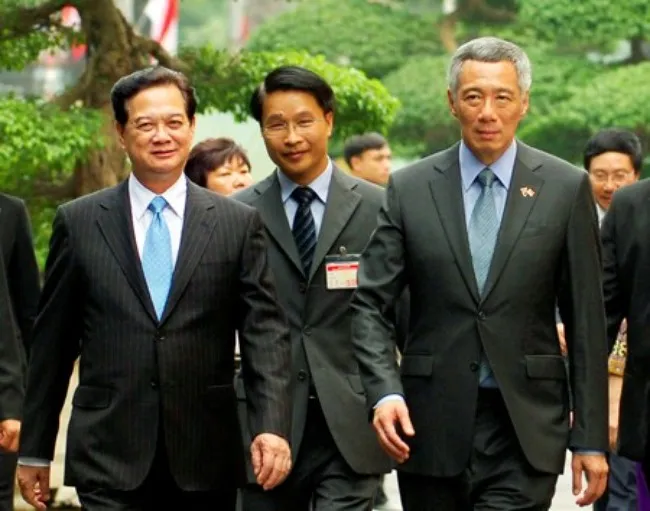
[341, 271]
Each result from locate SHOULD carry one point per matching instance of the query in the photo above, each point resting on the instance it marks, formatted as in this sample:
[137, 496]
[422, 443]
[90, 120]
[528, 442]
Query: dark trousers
[7, 480]
[158, 491]
[320, 478]
[498, 478]
[621, 492]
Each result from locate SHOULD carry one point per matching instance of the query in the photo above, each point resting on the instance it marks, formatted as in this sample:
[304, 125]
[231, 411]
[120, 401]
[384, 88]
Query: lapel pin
[526, 191]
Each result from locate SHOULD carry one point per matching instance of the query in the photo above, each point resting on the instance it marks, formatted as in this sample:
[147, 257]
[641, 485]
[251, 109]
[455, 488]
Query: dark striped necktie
[304, 228]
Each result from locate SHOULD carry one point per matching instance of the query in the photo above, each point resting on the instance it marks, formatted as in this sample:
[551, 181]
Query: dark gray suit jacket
[322, 350]
[19, 293]
[140, 377]
[547, 250]
[626, 256]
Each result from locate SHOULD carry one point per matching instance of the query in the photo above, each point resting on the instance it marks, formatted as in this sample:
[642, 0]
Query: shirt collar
[471, 167]
[320, 185]
[141, 196]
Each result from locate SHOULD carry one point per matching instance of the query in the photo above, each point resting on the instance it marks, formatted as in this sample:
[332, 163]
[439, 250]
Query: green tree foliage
[53, 151]
[372, 37]
[603, 102]
[423, 124]
[225, 83]
[594, 22]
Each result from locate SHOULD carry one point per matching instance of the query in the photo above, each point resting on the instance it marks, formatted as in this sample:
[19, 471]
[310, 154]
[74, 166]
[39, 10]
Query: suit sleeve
[381, 280]
[12, 362]
[264, 339]
[55, 345]
[24, 279]
[615, 303]
[582, 309]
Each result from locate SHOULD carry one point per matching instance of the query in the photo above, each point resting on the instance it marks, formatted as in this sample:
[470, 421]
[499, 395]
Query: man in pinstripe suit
[147, 282]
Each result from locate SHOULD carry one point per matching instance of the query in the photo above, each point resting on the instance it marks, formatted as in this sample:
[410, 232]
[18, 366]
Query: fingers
[274, 461]
[256, 457]
[596, 485]
[384, 422]
[34, 486]
[595, 469]
[405, 421]
[278, 472]
[577, 476]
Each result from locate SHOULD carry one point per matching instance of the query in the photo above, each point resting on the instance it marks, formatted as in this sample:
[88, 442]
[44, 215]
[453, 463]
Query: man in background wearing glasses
[318, 220]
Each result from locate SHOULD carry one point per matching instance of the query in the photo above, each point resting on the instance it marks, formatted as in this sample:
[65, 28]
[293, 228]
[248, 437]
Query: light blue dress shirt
[320, 186]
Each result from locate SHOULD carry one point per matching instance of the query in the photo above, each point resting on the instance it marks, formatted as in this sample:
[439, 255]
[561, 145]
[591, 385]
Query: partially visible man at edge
[19, 293]
[613, 158]
[147, 282]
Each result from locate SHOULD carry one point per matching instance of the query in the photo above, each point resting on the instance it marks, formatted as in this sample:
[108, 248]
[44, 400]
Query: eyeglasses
[616, 177]
[279, 129]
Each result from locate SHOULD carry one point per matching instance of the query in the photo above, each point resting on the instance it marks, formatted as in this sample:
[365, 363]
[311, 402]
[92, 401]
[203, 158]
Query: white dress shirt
[140, 197]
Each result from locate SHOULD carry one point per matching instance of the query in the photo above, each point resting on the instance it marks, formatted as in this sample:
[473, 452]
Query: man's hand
[387, 416]
[595, 469]
[271, 456]
[9, 435]
[560, 334]
[34, 483]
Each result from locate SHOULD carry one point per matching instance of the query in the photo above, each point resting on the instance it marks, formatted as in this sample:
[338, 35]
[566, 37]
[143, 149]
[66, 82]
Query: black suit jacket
[139, 377]
[547, 250]
[322, 351]
[19, 292]
[626, 259]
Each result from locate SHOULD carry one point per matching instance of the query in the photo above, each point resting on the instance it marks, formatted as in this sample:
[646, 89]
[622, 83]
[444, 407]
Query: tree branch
[23, 20]
[489, 13]
[164, 58]
[55, 191]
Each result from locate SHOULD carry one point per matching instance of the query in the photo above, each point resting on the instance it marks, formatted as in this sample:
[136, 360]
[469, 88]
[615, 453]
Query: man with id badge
[318, 220]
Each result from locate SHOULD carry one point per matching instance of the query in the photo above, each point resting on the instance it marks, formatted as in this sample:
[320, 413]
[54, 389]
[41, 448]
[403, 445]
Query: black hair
[292, 78]
[359, 144]
[130, 85]
[210, 154]
[615, 140]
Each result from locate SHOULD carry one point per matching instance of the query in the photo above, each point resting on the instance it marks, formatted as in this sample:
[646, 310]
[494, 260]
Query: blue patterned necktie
[157, 262]
[483, 230]
[304, 228]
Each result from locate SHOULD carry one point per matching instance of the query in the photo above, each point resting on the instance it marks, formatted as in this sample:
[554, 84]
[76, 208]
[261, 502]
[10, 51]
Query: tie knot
[303, 195]
[157, 204]
[486, 178]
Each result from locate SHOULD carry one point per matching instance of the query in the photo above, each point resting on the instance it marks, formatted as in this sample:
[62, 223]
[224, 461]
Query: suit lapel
[269, 204]
[342, 201]
[446, 188]
[116, 226]
[522, 195]
[197, 228]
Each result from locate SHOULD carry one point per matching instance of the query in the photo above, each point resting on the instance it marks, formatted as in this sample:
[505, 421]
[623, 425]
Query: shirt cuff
[588, 452]
[389, 397]
[33, 462]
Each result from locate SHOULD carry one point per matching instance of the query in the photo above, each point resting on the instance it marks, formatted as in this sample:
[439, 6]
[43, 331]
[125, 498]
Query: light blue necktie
[483, 230]
[157, 256]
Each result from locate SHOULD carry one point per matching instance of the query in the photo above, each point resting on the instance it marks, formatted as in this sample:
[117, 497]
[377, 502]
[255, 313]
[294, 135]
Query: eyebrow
[150, 118]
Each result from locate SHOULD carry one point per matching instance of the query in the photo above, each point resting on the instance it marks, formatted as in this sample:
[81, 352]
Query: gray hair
[490, 49]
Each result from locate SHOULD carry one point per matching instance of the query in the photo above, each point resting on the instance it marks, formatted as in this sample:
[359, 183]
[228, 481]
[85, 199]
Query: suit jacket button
[474, 366]
[302, 375]
[302, 288]
[307, 331]
[154, 384]
[481, 315]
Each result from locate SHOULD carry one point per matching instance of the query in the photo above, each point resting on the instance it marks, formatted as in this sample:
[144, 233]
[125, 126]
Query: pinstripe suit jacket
[140, 377]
